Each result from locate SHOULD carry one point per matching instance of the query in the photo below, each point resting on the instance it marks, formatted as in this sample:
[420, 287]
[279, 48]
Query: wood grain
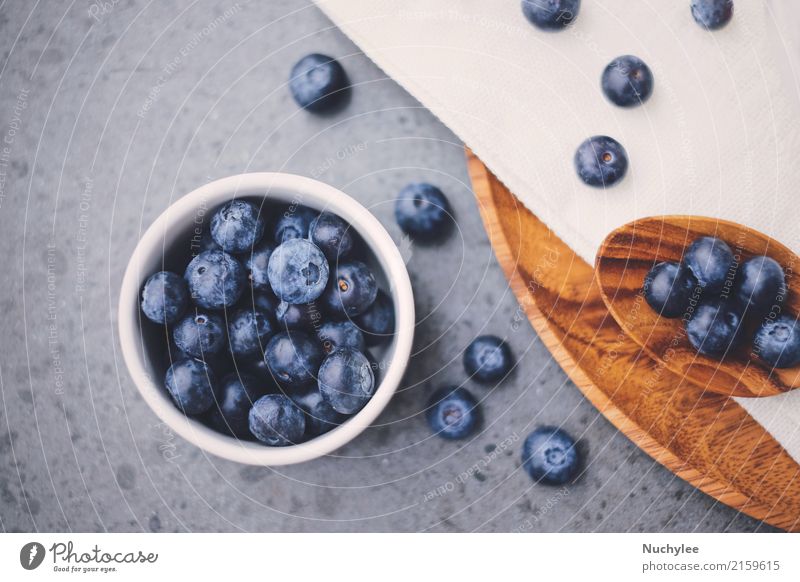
[630, 251]
[708, 440]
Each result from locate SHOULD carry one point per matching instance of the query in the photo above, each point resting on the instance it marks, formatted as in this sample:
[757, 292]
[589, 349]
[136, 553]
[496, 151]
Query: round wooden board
[706, 439]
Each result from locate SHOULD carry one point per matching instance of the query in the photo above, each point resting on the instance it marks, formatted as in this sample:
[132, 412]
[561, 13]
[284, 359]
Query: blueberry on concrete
[336, 335]
[294, 223]
[320, 416]
[549, 456]
[257, 263]
[551, 15]
[627, 81]
[488, 359]
[293, 358]
[276, 421]
[192, 384]
[216, 279]
[668, 287]
[165, 297]
[601, 161]
[453, 413]
[332, 235]
[249, 330]
[377, 322]
[351, 291]
[712, 14]
[298, 271]
[200, 334]
[777, 342]
[711, 261]
[422, 211]
[235, 397]
[716, 327]
[318, 83]
[761, 284]
[346, 381]
[237, 226]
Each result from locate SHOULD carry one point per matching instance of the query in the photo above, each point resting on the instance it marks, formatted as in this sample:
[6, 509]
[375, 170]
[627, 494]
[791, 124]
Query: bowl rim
[277, 186]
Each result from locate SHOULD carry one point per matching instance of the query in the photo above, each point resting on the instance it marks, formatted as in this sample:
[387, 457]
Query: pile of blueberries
[722, 303]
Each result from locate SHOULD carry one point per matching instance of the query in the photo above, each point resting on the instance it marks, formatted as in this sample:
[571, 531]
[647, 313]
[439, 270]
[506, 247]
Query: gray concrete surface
[112, 110]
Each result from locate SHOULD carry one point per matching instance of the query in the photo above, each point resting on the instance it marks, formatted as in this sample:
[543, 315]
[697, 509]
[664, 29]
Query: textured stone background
[111, 111]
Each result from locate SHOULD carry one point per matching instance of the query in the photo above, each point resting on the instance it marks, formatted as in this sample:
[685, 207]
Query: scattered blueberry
[332, 235]
[318, 83]
[191, 383]
[351, 290]
[298, 271]
[346, 381]
[712, 14]
[294, 223]
[761, 283]
[710, 260]
[200, 335]
[601, 161]
[422, 211]
[549, 456]
[236, 395]
[165, 297]
[777, 342]
[668, 287]
[293, 358]
[377, 322]
[299, 316]
[257, 263]
[277, 421]
[249, 330]
[627, 81]
[215, 279]
[488, 359]
[551, 14]
[453, 413]
[337, 335]
[320, 416]
[237, 226]
[715, 328]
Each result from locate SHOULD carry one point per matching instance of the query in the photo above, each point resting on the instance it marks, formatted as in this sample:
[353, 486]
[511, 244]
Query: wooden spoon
[629, 252]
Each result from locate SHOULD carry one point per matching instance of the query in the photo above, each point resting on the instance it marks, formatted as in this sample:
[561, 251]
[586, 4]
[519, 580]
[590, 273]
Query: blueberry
[337, 335]
[346, 381]
[237, 226]
[207, 242]
[377, 322]
[318, 83]
[668, 287]
[601, 161]
[293, 359]
[711, 262]
[422, 211]
[549, 456]
[257, 263]
[761, 284]
[712, 14]
[627, 81]
[777, 342]
[301, 316]
[294, 223]
[235, 397]
[351, 290]
[320, 416]
[200, 335]
[298, 271]
[453, 413]
[249, 330]
[191, 383]
[165, 297]
[716, 327]
[488, 359]
[216, 280]
[276, 421]
[332, 235]
[262, 300]
[551, 14]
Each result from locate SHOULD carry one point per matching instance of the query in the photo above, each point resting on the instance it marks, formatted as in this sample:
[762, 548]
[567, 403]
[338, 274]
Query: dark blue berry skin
[256, 264]
[550, 457]
[453, 413]
[333, 236]
[716, 327]
[200, 335]
[249, 330]
[551, 15]
[165, 297]
[777, 342]
[192, 384]
[302, 317]
[423, 212]
[216, 279]
[277, 421]
[668, 287]
[351, 291]
[294, 223]
[346, 381]
[337, 335]
[235, 397]
[207, 242]
[711, 262]
[601, 161]
[377, 322]
[320, 416]
[318, 83]
[488, 359]
[263, 300]
[761, 284]
[627, 81]
[293, 358]
[298, 271]
[237, 226]
[712, 14]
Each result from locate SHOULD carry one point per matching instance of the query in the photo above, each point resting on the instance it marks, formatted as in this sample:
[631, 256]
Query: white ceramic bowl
[177, 226]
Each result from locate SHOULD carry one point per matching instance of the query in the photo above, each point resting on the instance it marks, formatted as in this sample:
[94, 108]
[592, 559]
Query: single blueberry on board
[711, 261]
[488, 359]
[377, 322]
[668, 287]
[249, 330]
[256, 264]
[716, 327]
[777, 342]
[293, 358]
[294, 222]
[277, 421]
[216, 279]
[237, 226]
[712, 14]
[453, 413]
[318, 83]
[423, 212]
[235, 397]
[351, 291]
[200, 334]
[627, 81]
[761, 284]
[298, 271]
[551, 15]
[320, 416]
[165, 297]
[192, 384]
[346, 381]
[332, 235]
[300, 316]
[336, 335]
[550, 457]
[601, 161]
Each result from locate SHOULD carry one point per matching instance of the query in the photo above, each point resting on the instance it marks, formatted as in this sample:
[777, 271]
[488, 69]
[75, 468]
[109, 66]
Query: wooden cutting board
[707, 440]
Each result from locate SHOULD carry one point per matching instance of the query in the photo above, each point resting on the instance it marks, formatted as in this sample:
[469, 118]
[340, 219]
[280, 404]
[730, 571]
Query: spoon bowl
[628, 254]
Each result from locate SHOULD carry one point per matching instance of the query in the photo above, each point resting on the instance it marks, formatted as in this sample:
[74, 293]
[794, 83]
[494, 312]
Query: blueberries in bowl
[550, 457]
[377, 322]
[551, 14]
[346, 381]
[712, 14]
[668, 287]
[488, 359]
[320, 415]
[249, 330]
[332, 235]
[165, 297]
[710, 260]
[318, 83]
[761, 283]
[192, 384]
[294, 223]
[601, 161]
[236, 395]
[277, 421]
[453, 413]
[237, 226]
[257, 264]
[216, 279]
[627, 81]
[777, 342]
[298, 271]
[299, 316]
[337, 335]
[200, 335]
[422, 211]
[293, 358]
[716, 328]
[351, 291]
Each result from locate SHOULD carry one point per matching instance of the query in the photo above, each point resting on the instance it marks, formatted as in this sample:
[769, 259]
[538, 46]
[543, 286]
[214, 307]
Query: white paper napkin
[719, 137]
